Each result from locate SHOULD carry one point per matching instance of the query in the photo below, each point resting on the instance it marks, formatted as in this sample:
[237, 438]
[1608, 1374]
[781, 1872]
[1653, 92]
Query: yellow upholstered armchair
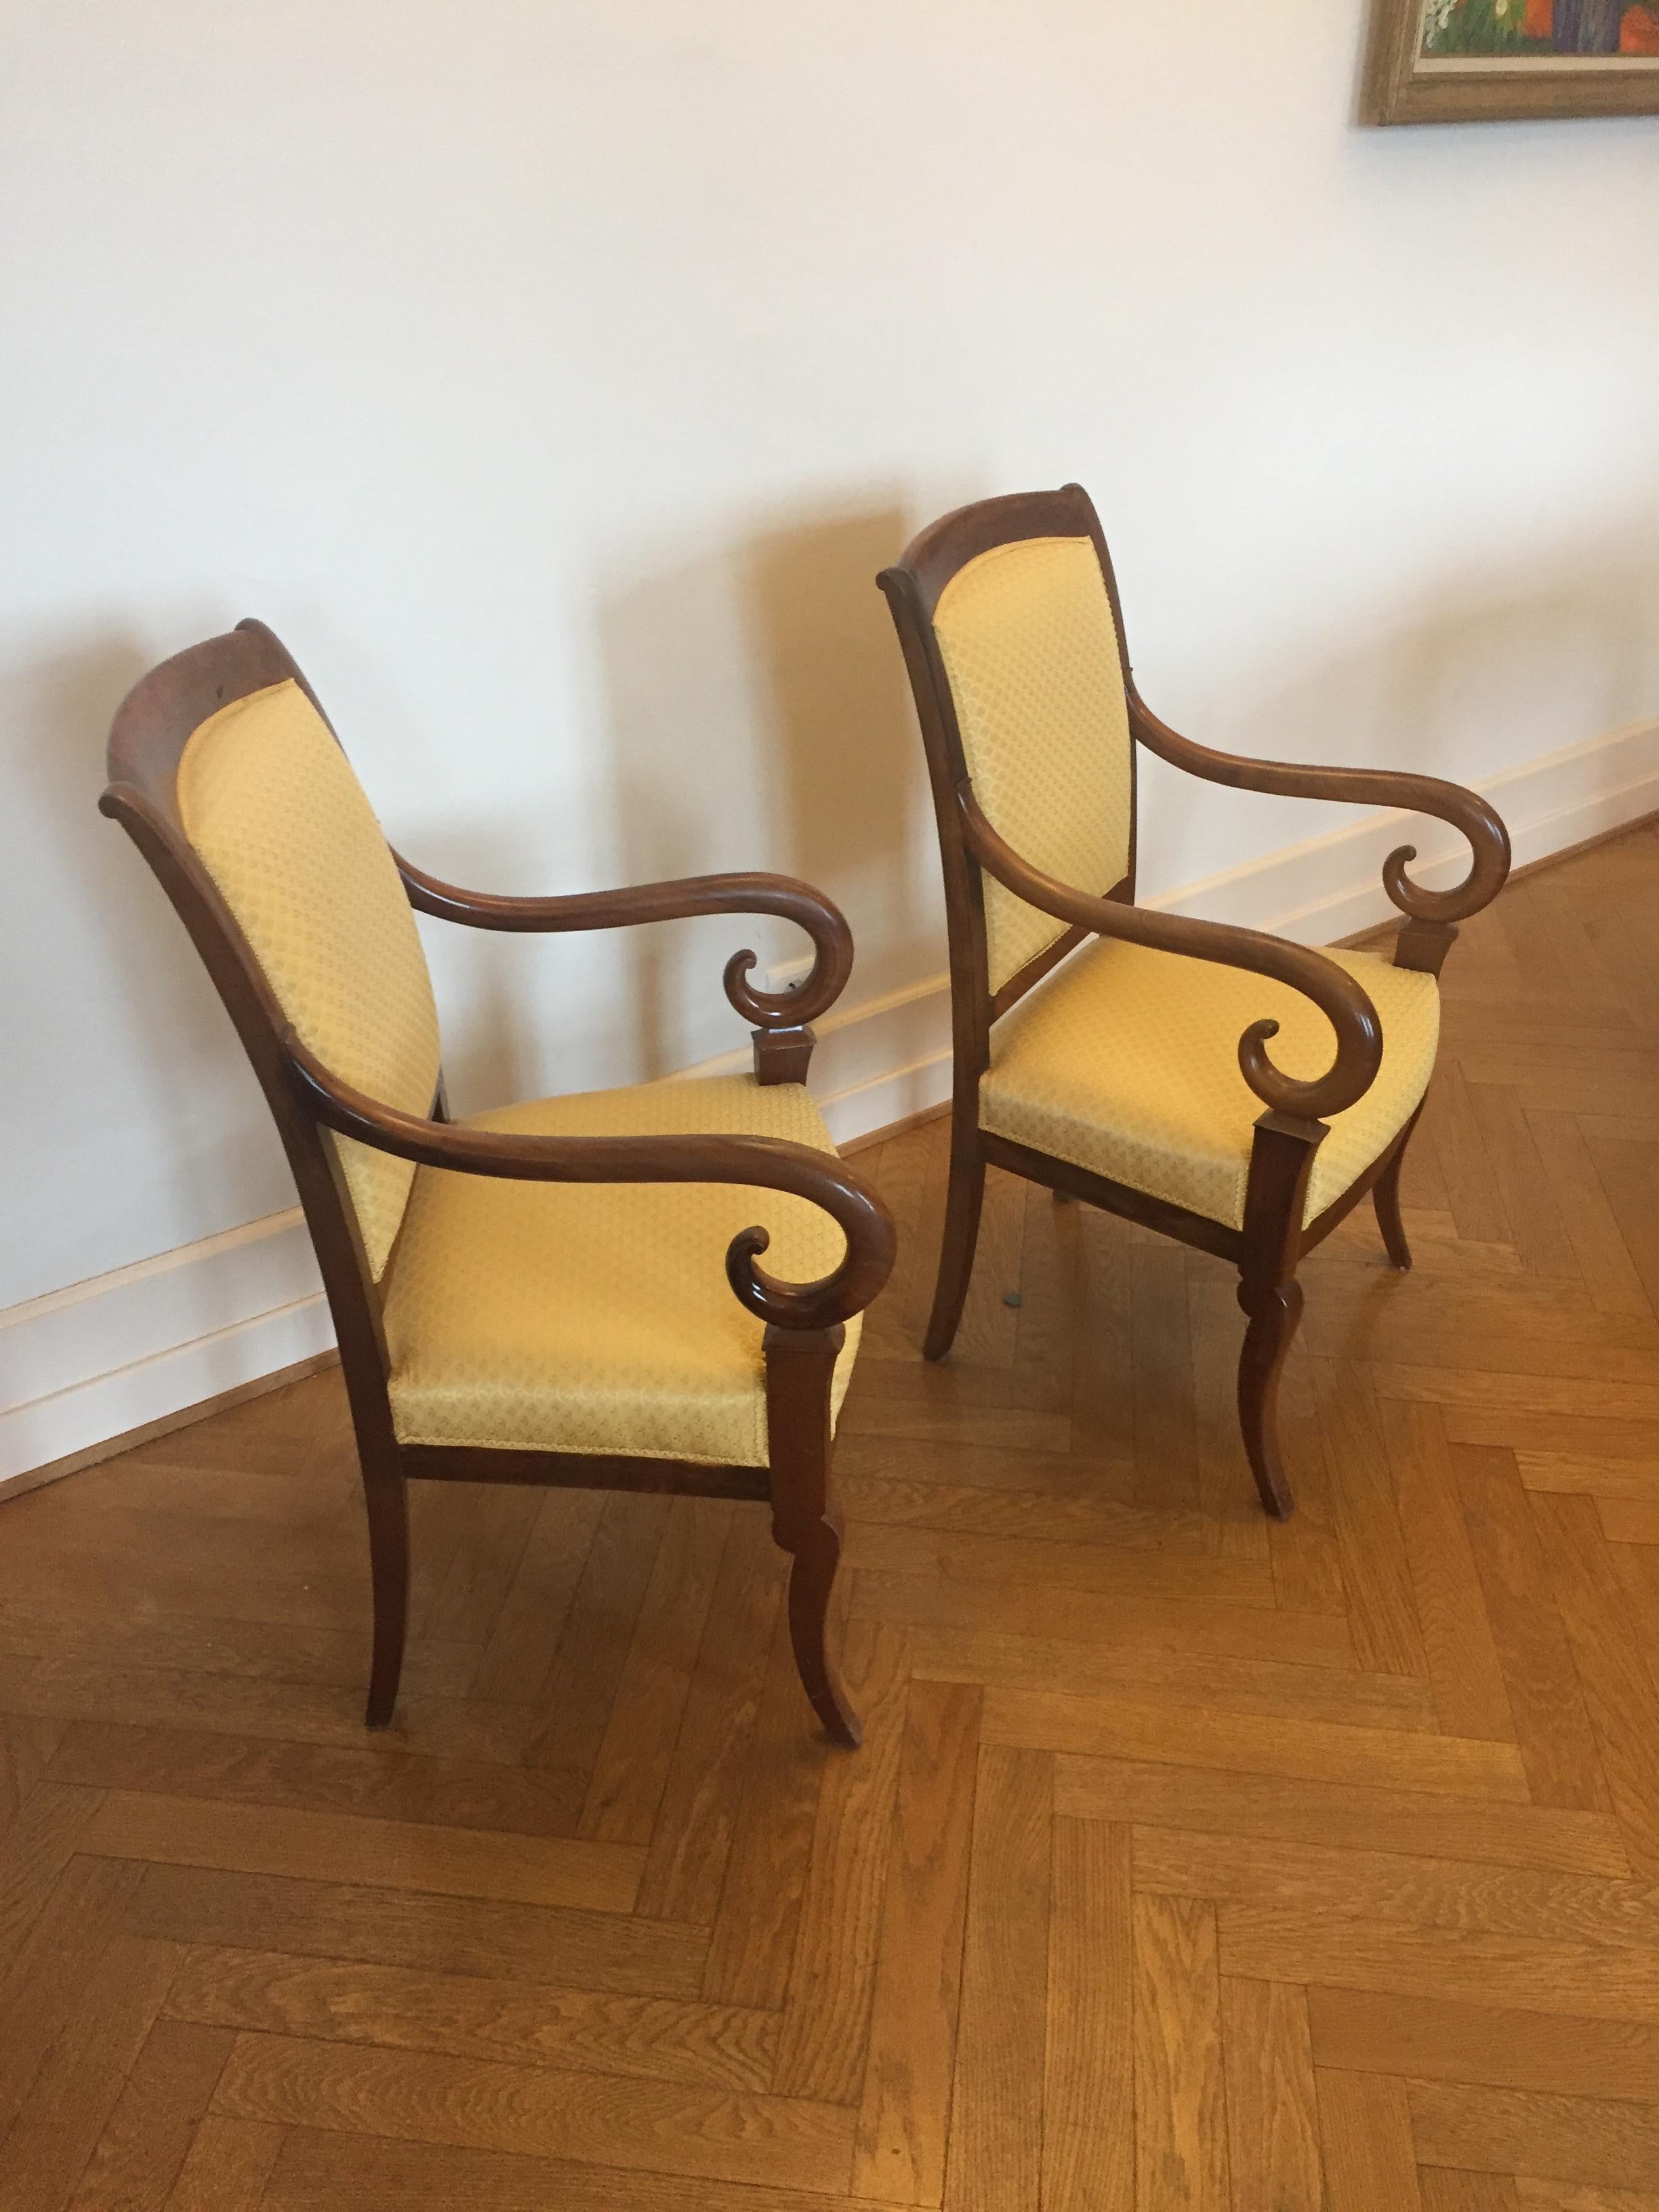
[565, 1292]
[1120, 1055]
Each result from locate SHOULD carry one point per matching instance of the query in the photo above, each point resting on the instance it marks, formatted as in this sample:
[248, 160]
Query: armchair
[564, 1292]
[1125, 1079]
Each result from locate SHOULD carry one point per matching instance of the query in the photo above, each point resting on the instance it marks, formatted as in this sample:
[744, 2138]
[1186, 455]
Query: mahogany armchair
[1124, 1079]
[563, 1292]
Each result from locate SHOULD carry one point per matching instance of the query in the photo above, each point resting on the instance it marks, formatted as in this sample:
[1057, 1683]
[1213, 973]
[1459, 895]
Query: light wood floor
[1189, 1862]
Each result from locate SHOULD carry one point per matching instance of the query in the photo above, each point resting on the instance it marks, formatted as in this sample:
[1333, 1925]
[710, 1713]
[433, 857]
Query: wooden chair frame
[805, 1321]
[1268, 1247]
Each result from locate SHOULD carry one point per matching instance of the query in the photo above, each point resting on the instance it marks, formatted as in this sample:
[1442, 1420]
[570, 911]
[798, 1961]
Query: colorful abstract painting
[1471, 61]
[1516, 30]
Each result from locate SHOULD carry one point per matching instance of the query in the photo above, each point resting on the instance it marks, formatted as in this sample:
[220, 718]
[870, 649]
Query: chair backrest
[307, 924]
[1008, 615]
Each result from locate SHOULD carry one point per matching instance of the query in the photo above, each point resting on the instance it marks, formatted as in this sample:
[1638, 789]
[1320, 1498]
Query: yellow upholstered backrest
[281, 825]
[1029, 647]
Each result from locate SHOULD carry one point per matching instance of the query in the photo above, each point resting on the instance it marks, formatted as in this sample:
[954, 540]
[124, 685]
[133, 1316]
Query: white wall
[554, 378]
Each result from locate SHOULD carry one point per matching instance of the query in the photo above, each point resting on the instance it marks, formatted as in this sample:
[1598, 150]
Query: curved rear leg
[963, 1202]
[1385, 1197]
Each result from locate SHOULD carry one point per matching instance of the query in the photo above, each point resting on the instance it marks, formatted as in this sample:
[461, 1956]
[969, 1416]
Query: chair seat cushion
[596, 1318]
[1125, 1062]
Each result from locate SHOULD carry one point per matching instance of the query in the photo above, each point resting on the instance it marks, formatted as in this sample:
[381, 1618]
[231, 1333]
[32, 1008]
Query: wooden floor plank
[1608, 1645]
[1376, 1562]
[227, 2167]
[327, 2172]
[1181, 2119]
[751, 1946]
[1097, 1567]
[1030, 1514]
[1047, 1339]
[524, 1639]
[1411, 1891]
[1306, 1551]
[632, 1768]
[1610, 1275]
[140, 2153]
[994, 2157]
[826, 2010]
[53, 1966]
[1484, 2046]
[41, 1838]
[336, 1847]
[1181, 1624]
[1273, 1688]
[697, 1814]
[1344, 1815]
[1276, 1942]
[1546, 1698]
[1365, 2127]
[1464, 1664]
[905, 2108]
[1453, 2188]
[1536, 2192]
[72, 2097]
[593, 1652]
[26, 1747]
[654, 2126]
[477, 1795]
[1165, 1419]
[1116, 1728]
[1089, 2086]
[471, 2016]
[1102, 1423]
[1601, 2142]
[1538, 1232]
[321, 1714]
[434, 1934]
[1273, 2107]
[1472, 1191]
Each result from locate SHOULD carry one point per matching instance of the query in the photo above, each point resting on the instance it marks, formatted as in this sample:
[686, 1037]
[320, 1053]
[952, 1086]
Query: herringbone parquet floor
[1190, 1862]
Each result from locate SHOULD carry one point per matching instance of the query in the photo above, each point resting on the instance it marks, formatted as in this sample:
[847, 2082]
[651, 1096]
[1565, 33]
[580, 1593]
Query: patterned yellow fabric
[270, 803]
[1127, 1064]
[596, 1318]
[1026, 635]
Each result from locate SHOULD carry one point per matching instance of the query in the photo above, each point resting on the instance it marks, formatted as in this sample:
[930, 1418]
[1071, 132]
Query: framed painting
[1472, 61]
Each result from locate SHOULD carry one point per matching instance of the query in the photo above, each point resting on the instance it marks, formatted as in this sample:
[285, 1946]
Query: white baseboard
[113, 1354]
[103, 1358]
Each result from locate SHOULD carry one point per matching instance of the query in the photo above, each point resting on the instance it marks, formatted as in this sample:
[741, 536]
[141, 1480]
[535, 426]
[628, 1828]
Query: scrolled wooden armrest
[765, 1162]
[1489, 841]
[1342, 1001]
[832, 940]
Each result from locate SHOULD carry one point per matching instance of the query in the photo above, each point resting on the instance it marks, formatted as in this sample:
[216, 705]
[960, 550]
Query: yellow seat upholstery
[1125, 1062]
[596, 1318]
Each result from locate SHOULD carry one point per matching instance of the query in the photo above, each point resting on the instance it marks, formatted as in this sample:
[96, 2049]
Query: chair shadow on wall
[759, 720]
[55, 712]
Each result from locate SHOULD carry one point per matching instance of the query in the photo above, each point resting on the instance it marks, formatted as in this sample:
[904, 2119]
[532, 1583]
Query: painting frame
[1401, 85]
